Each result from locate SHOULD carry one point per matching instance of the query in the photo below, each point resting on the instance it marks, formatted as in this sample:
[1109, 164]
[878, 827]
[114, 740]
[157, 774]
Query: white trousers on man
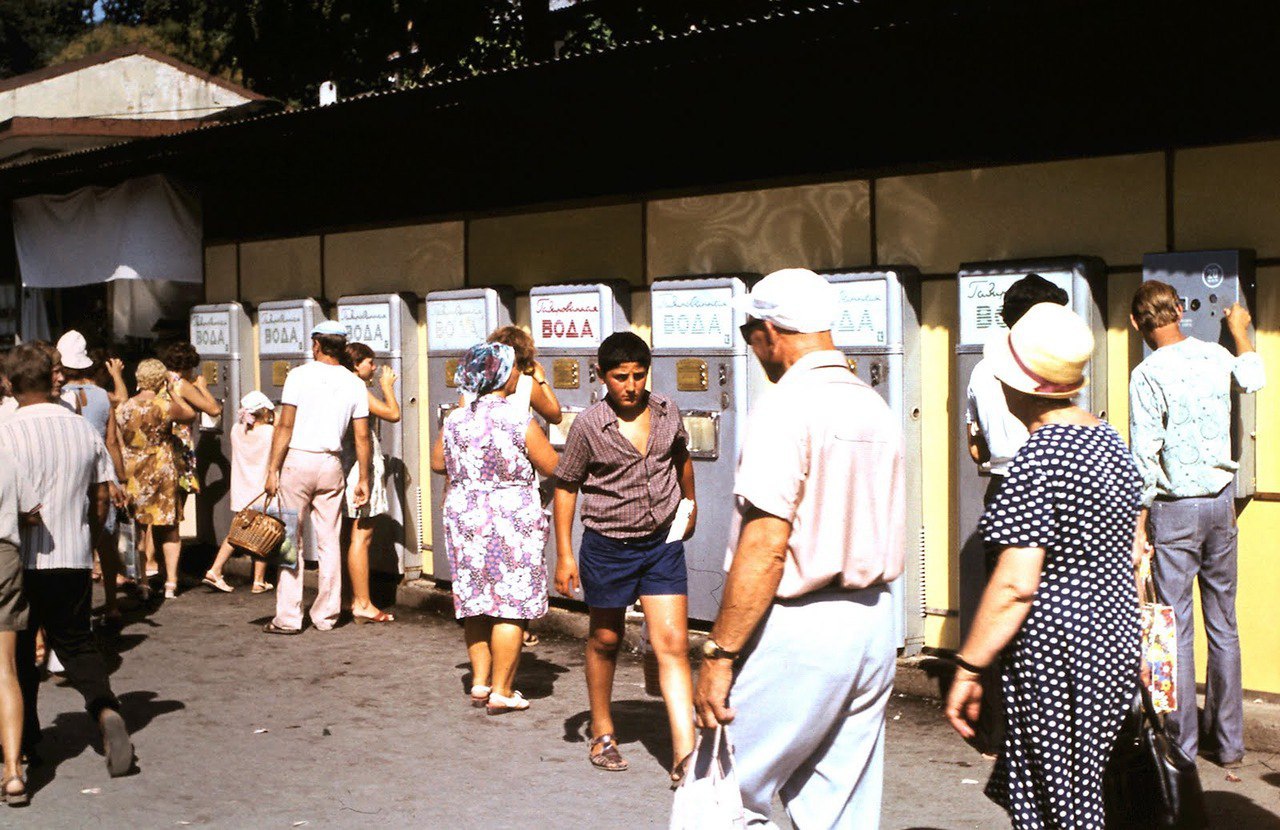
[313, 483]
[810, 698]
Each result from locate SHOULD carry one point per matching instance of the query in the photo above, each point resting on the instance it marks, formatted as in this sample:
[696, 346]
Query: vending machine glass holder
[703, 428]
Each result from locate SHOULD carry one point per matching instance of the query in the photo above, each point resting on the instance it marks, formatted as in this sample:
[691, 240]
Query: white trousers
[810, 698]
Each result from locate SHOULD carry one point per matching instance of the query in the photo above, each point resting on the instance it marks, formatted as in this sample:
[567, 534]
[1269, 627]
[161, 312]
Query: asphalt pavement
[369, 726]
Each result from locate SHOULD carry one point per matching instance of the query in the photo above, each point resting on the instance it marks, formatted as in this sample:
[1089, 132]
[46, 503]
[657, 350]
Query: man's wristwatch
[712, 651]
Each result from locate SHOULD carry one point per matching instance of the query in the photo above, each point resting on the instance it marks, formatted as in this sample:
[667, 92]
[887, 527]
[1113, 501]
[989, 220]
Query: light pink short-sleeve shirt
[824, 451]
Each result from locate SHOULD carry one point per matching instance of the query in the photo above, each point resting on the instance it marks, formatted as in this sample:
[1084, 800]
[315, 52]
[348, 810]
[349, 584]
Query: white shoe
[54, 665]
[171, 590]
[500, 705]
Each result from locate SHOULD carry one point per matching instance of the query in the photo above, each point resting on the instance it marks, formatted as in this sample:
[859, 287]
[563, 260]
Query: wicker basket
[255, 531]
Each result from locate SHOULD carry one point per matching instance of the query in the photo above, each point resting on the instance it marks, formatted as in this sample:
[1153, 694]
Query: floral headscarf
[485, 367]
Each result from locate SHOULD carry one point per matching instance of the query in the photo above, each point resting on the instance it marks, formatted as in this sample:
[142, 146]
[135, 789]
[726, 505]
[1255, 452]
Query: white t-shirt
[328, 398]
[8, 406]
[989, 409]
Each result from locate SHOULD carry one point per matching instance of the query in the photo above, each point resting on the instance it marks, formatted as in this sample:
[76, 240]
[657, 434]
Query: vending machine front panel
[877, 328]
[1208, 283]
[386, 324]
[223, 337]
[456, 321]
[981, 289]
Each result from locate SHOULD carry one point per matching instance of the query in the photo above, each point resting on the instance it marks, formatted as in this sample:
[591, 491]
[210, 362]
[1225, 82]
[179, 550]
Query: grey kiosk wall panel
[456, 320]
[223, 336]
[1208, 282]
[981, 298]
[569, 322]
[878, 330]
[701, 362]
[386, 324]
[284, 340]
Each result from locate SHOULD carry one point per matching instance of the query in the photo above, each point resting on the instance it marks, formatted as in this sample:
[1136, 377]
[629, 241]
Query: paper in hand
[681, 522]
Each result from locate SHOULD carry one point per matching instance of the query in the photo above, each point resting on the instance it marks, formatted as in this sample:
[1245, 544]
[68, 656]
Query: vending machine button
[451, 372]
[691, 375]
[564, 373]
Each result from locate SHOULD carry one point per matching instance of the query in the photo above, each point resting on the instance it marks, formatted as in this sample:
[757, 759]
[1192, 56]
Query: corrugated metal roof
[461, 83]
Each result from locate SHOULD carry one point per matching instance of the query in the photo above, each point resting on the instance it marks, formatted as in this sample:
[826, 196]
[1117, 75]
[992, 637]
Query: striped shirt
[625, 495]
[15, 497]
[63, 457]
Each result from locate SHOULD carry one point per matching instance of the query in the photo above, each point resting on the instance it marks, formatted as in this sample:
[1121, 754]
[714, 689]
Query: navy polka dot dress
[1072, 670]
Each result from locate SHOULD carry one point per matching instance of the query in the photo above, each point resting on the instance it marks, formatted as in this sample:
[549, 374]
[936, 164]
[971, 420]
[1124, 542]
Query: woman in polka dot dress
[1061, 609]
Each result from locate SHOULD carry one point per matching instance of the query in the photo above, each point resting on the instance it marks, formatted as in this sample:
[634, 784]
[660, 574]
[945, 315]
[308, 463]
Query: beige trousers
[312, 483]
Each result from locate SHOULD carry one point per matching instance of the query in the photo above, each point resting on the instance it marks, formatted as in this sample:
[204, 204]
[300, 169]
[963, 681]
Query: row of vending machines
[699, 360]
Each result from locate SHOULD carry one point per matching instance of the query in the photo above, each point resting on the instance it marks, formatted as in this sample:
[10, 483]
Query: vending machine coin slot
[691, 374]
[564, 373]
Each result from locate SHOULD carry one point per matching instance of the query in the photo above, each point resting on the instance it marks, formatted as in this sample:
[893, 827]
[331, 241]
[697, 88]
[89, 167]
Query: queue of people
[800, 660]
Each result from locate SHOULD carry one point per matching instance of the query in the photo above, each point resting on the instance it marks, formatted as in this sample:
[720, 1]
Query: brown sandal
[608, 758]
[19, 799]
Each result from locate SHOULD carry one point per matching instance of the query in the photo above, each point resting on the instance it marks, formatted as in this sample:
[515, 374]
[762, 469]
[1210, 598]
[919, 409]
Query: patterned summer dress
[494, 527]
[150, 460]
[1072, 670]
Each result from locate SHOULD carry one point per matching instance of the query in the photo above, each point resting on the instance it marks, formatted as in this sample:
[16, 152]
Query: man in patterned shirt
[1180, 432]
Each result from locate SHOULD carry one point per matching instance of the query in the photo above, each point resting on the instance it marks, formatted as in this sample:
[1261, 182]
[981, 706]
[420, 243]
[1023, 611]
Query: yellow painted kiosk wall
[1229, 197]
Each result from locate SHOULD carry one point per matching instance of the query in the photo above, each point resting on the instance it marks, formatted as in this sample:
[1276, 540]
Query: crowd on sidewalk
[800, 661]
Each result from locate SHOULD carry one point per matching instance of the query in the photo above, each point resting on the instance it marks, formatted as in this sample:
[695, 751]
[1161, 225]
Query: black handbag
[1149, 781]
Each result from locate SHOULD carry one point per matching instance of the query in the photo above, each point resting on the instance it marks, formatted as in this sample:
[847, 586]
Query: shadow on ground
[74, 732]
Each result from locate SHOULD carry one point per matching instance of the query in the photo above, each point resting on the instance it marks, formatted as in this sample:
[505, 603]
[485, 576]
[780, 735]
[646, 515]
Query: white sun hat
[1044, 354]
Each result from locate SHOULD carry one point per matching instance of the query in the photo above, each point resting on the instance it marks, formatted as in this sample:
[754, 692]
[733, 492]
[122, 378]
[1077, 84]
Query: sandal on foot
[262, 587]
[272, 628]
[216, 582]
[500, 705]
[530, 639]
[380, 617]
[480, 696]
[18, 799]
[608, 758]
[171, 590]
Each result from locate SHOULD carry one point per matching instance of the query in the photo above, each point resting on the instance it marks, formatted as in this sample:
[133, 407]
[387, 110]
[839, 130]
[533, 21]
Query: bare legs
[667, 618]
[358, 569]
[109, 560]
[10, 706]
[224, 553]
[171, 544]
[494, 645]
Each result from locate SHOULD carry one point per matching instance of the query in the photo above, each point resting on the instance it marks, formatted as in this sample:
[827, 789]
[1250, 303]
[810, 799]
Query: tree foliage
[33, 31]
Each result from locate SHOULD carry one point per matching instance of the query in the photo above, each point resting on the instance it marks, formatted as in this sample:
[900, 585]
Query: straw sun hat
[1044, 353]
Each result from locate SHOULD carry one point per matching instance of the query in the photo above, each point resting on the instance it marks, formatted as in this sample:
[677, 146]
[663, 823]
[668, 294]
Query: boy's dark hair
[29, 368]
[1032, 289]
[179, 356]
[357, 353]
[622, 347]
[335, 346]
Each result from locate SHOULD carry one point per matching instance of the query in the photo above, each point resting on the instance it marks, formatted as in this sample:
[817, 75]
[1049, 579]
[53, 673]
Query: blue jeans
[1195, 541]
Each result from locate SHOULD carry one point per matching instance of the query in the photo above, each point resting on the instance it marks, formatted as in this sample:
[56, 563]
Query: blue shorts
[617, 572]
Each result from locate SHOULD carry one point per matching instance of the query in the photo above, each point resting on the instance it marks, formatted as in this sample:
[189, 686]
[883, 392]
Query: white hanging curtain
[35, 316]
[143, 229]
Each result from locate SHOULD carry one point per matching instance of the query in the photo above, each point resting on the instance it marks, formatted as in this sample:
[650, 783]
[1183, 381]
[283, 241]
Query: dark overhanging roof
[842, 89]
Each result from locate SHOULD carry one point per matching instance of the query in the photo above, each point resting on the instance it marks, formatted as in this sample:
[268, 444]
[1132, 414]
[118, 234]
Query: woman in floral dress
[494, 527]
[150, 450]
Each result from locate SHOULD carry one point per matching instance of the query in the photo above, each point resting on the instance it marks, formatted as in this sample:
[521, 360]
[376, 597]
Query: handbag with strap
[1159, 642]
[255, 530]
[708, 798]
[1149, 781]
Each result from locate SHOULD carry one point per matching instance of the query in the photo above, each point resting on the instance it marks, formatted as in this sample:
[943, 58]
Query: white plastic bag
[709, 798]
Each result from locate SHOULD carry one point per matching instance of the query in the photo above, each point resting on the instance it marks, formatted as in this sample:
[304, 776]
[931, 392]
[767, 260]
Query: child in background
[250, 451]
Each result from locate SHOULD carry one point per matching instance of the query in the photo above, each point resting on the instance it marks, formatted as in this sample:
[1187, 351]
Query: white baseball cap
[795, 299]
[255, 400]
[74, 350]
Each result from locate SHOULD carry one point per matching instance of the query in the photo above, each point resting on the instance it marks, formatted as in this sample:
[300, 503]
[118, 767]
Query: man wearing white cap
[807, 615]
[321, 399]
